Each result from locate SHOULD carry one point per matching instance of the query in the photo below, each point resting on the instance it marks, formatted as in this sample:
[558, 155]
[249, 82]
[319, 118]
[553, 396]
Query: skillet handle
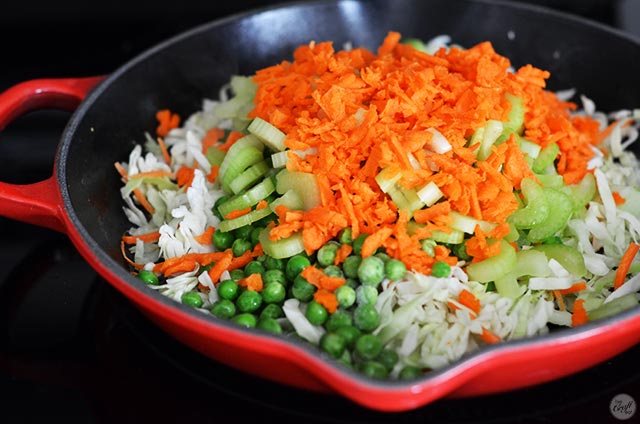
[39, 203]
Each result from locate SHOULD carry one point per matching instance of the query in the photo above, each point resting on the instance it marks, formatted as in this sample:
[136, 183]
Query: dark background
[71, 348]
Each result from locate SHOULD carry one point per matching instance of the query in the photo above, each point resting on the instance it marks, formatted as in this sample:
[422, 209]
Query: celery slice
[291, 200]
[215, 156]
[556, 221]
[280, 159]
[490, 136]
[247, 219]
[269, 134]
[468, 224]
[283, 248]
[430, 193]
[536, 209]
[508, 286]
[238, 164]
[238, 146]
[387, 178]
[568, 256]
[515, 124]
[529, 147]
[584, 191]
[249, 176]
[249, 198]
[454, 237]
[616, 306]
[494, 267]
[545, 158]
[303, 183]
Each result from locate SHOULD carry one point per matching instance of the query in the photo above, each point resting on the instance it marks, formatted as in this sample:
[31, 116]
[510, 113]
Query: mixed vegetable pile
[397, 209]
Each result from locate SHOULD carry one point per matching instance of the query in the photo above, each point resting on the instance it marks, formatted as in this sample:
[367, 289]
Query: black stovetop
[73, 349]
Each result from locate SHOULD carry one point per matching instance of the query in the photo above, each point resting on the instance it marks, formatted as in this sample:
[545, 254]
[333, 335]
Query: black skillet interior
[180, 72]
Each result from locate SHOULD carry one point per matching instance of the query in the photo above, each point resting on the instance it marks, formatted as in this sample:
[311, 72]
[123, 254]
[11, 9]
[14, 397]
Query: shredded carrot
[200, 258]
[489, 337]
[126, 257]
[231, 139]
[211, 138]
[319, 279]
[147, 238]
[261, 204]
[558, 295]
[143, 201]
[164, 150]
[213, 175]
[469, 300]
[242, 260]
[625, 264]
[327, 299]
[123, 173]
[238, 213]
[252, 282]
[166, 122]
[185, 175]
[151, 174]
[618, 198]
[221, 266]
[374, 241]
[579, 316]
[185, 265]
[342, 253]
[205, 238]
[577, 287]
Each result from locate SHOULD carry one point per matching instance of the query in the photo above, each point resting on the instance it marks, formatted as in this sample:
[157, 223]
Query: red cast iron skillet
[82, 197]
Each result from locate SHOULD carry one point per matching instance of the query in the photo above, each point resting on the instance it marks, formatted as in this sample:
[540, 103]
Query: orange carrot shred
[327, 299]
[469, 300]
[165, 152]
[489, 337]
[261, 204]
[166, 122]
[625, 264]
[143, 201]
[211, 138]
[185, 175]
[618, 198]
[221, 266]
[213, 175]
[205, 238]
[579, 316]
[147, 238]
[238, 213]
[252, 282]
[558, 296]
[342, 253]
[577, 287]
[231, 139]
[126, 257]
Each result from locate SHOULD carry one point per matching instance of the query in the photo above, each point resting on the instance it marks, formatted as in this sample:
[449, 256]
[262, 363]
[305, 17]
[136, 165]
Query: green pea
[371, 271]
[222, 241]
[345, 359]
[273, 292]
[249, 301]
[273, 263]
[217, 204]
[383, 256]
[246, 319]
[357, 243]
[368, 346]
[374, 369]
[344, 236]
[240, 246]
[366, 294]
[254, 237]
[334, 344]
[389, 358]
[224, 308]
[295, 265]
[270, 325]
[349, 333]
[243, 232]
[460, 250]
[148, 277]
[352, 282]
[316, 313]
[350, 265]
[440, 269]
[552, 240]
[338, 319]
[237, 274]
[228, 289]
[302, 290]
[274, 276]
[345, 295]
[254, 267]
[327, 254]
[409, 373]
[395, 269]
[272, 310]
[366, 318]
[192, 299]
[333, 271]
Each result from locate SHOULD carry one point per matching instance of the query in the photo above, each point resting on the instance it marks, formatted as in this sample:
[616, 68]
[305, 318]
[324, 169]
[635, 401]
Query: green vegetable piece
[494, 267]
[246, 319]
[222, 241]
[248, 198]
[344, 236]
[357, 243]
[236, 274]
[249, 301]
[148, 277]
[410, 373]
[366, 317]
[224, 309]
[243, 232]
[316, 313]
[366, 294]
[219, 201]
[556, 221]
[303, 183]
[583, 192]
[192, 299]
[345, 295]
[368, 346]
[371, 271]
[536, 210]
[350, 265]
[273, 292]
[254, 267]
[334, 344]
[269, 324]
[268, 134]
[374, 369]
[274, 276]
[613, 307]
[339, 318]
[283, 248]
[272, 310]
[568, 256]
[327, 254]
[440, 269]
[249, 176]
[302, 290]
[349, 333]
[429, 247]
[242, 160]
[273, 263]
[215, 156]
[333, 271]
[227, 289]
[247, 219]
[515, 124]
[295, 265]
[389, 358]
[545, 158]
[240, 246]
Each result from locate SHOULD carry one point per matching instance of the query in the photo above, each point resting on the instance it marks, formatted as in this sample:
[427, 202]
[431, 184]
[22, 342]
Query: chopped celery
[405, 199]
[536, 209]
[551, 180]
[468, 224]
[508, 286]
[246, 219]
[238, 146]
[568, 256]
[529, 147]
[494, 267]
[240, 161]
[249, 176]
[269, 134]
[531, 262]
[615, 306]
[430, 193]
[584, 191]
[556, 221]
[490, 136]
[515, 124]
[303, 183]
[161, 183]
[513, 235]
[387, 178]
[545, 158]
[215, 156]
[291, 200]
[249, 198]
[283, 248]
[454, 237]
[280, 159]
